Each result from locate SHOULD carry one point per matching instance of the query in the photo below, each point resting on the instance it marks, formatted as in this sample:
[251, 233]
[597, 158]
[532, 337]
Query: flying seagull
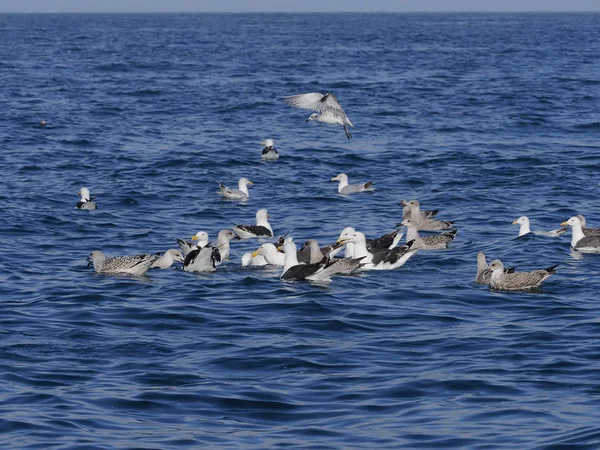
[327, 108]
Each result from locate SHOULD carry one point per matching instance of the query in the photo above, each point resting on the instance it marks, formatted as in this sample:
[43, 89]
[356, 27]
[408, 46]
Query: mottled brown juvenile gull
[167, 259]
[423, 223]
[425, 214]
[436, 242]
[579, 241]
[377, 259]
[86, 201]
[587, 231]
[524, 229]
[241, 193]
[518, 280]
[345, 188]
[260, 230]
[136, 265]
[269, 153]
[483, 274]
[328, 110]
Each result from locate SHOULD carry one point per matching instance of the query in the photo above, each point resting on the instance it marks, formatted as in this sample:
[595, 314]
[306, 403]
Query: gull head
[407, 223]
[352, 238]
[85, 194]
[95, 258]
[227, 234]
[413, 204]
[245, 181]
[201, 237]
[573, 221]
[268, 143]
[340, 177]
[345, 234]
[523, 220]
[175, 255]
[262, 214]
[495, 265]
[403, 203]
[289, 247]
[313, 116]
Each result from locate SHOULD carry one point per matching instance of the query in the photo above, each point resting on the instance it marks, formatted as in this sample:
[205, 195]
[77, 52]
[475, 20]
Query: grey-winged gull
[260, 230]
[483, 274]
[377, 259]
[345, 188]
[423, 223]
[86, 201]
[241, 193]
[328, 109]
[167, 259]
[524, 229]
[587, 230]
[437, 242]
[579, 241]
[136, 265]
[269, 152]
[518, 280]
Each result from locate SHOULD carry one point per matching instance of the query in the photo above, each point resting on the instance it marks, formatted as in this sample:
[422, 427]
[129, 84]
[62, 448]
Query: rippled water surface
[485, 117]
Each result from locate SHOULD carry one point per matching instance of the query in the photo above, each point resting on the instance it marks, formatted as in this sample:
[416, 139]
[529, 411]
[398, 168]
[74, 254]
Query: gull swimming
[423, 223]
[186, 247]
[86, 201]
[483, 274]
[579, 241]
[345, 188]
[202, 259]
[223, 239]
[328, 109]
[269, 153]
[240, 193]
[587, 231]
[425, 214]
[167, 259]
[436, 242]
[378, 259]
[518, 280]
[261, 229]
[385, 242]
[295, 271]
[272, 256]
[136, 265]
[524, 229]
[346, 266]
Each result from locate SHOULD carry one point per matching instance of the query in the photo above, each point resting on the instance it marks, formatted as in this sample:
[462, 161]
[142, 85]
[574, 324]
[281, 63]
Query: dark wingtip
[552, 269]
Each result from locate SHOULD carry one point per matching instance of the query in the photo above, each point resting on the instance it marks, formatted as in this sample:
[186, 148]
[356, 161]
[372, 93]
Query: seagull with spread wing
[327, 108]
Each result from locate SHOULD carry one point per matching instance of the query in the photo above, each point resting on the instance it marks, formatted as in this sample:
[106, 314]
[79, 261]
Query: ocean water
[485, 117]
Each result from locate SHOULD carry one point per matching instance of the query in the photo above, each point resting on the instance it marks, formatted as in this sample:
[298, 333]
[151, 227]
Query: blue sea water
[485, 117]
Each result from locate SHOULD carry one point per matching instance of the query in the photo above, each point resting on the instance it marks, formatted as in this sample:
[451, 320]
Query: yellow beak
[515, 222]
[564, 224]
[341, 241]
[250, 182]
[195, 238]
[255, 254]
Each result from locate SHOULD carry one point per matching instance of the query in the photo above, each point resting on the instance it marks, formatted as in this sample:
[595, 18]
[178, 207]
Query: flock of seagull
[318, 264]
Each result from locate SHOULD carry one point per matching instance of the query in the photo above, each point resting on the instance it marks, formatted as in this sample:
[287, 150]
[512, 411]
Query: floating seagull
[327, 107]
[483, 274]
[202, 259]
[579, 241]
[167, 259]
[518, 280]
[345, 188]
[261, 229]
[240, 193]
[86, 201]
[587, 231]
[322, 271]
[269, 153]
[378, 259]
[223, 239]
[272, 256]
[406, 211]
[136, 265]
[524, 229]
[186, 247]
[311, 252]
[436, 242]
[423, 223]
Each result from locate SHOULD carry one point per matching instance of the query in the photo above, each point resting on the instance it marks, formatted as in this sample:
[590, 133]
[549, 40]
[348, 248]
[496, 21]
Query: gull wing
[314, 101]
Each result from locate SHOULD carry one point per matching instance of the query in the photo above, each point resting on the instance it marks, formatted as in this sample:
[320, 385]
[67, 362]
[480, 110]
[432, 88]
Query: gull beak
[255, 254]
[195, 238]
[268, 216]
[515, 223]
[250, 182]
[263, 143]
[341, 241]
[564, 224]
[334, 179]
[280, 248]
